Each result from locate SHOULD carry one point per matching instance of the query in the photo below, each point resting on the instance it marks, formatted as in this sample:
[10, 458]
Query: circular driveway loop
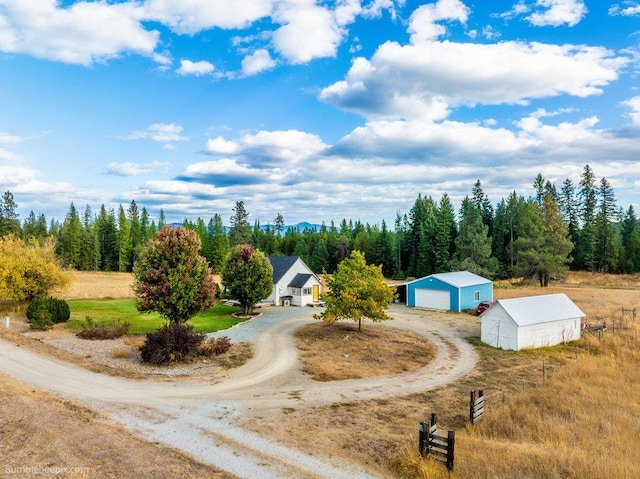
[197, 417]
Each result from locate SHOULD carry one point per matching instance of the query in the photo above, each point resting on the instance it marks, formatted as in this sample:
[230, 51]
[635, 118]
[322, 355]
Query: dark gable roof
[300, 280]
[280, 265]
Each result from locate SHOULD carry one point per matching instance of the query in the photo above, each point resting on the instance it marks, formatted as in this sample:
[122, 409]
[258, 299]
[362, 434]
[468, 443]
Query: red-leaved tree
[171, 277]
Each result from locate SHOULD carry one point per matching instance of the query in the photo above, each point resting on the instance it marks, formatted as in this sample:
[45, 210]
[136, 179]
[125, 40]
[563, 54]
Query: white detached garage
[531, 322]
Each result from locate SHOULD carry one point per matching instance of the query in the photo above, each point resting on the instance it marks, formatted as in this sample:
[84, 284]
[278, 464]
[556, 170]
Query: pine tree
[89, 256]
[422, 233]
[607, 241]
[585, 249]
[568, 205]
[278, 224]
[320, 256]
[481, 200]
[34, 227]
[630, 232]
[124, 244]
[219, 243]
[9, 222]
[384, 250]
[473, 245]
[445, 235]
[543, 247]
[240, 231]
[69, 245]
[135, 233]
[107, 235]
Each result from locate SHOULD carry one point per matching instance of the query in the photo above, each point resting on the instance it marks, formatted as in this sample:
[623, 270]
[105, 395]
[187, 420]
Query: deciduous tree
[171, 277]
[247, 276]
[357, 291]
[28, 269]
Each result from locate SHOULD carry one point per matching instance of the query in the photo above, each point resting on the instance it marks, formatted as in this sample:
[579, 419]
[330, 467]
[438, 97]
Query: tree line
[574, 226]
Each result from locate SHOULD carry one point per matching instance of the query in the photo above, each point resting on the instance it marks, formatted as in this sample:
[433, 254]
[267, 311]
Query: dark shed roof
[300, 280]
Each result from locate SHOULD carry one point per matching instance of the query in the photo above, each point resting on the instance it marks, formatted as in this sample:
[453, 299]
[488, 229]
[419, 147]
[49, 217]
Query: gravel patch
[122, 357]
[248, 331]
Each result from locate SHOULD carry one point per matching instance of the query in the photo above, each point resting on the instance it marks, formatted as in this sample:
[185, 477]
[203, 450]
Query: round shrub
[35, 306]
[172, 342]
[41, 320]
[58, 309]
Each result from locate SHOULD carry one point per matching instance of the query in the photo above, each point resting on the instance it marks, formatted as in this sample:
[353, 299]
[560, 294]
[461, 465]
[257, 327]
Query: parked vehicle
[483, 306]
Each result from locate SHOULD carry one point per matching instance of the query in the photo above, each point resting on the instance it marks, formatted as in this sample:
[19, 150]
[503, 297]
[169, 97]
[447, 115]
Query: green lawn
[124, 310]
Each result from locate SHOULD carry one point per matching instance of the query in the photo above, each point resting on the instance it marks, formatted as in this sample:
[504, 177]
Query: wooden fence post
[432, 430]
[451, 441]
[476, 406]
[441, 447]
[472, 405]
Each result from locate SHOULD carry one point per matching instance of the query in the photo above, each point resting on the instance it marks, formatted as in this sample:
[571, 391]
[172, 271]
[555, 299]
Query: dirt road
[198, 417]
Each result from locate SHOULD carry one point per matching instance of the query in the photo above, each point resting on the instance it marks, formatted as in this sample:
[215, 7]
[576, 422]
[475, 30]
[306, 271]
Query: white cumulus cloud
[308, 31]
[427, 79]
[84, 33]
[558, 12]
[193, 16]
[188, 67]
[423, 24]
[257, 62]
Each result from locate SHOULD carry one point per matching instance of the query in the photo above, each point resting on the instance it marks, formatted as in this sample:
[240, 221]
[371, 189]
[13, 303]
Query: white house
[294, 283]
[531, 322]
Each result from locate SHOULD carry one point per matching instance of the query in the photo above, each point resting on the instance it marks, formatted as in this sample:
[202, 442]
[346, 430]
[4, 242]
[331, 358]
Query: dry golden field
[580, 420]
[95, 285]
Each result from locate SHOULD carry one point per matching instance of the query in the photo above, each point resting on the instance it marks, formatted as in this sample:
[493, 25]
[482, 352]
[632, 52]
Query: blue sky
[318, 110]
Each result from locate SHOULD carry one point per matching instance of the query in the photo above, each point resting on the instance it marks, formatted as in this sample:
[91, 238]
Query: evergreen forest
[570, 226]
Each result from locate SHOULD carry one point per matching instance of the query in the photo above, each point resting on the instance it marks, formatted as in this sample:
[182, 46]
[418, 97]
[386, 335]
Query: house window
[306, 291]
[295, 290]
[476, 295]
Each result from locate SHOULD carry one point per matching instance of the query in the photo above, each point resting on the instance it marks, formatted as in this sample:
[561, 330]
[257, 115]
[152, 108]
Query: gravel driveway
[198, 417]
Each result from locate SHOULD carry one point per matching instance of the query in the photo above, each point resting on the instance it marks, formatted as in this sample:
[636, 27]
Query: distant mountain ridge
[301, 226]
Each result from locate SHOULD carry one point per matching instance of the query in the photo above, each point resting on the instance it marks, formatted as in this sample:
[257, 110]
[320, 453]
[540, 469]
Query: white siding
[498, 329]
[433, 299]
[549, 334]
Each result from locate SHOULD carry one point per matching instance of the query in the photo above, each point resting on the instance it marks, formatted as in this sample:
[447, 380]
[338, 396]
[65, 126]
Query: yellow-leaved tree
[357, 291]
[29, 269]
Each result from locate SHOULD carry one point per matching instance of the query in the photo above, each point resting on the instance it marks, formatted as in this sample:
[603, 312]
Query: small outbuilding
[294, 283]
[531, 322]
[456, 291]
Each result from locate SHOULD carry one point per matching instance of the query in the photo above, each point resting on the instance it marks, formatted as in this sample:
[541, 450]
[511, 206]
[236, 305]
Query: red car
[483, 306]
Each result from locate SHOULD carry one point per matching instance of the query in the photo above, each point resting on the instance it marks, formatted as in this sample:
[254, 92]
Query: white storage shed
[531, 322]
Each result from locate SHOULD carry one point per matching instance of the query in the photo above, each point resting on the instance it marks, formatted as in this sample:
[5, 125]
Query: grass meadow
[106, 311]
[581, 419]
